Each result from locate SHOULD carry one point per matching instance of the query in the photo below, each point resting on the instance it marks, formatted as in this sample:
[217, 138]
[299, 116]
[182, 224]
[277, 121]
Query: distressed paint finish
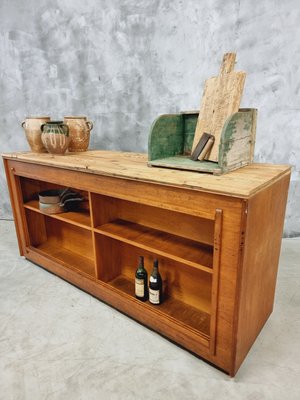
[190, 122]
[171, 136]
[185, 163]
[237, 140]
[166, 138]
[124, 63]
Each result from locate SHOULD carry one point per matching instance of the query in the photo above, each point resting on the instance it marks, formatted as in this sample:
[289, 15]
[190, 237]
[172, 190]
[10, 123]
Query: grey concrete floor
[58, 342]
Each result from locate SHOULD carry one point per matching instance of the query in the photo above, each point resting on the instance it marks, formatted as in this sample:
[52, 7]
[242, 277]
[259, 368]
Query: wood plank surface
[160, 322]
[107, 209]
[67, 258]
[180, 311]
[265, 218]
[80, 218]
[242, 183]
[183, 250]
[221, 98]
[215, 281]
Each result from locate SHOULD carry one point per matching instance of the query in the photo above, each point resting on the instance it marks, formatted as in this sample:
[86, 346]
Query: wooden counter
[217, 239]
[240, 183]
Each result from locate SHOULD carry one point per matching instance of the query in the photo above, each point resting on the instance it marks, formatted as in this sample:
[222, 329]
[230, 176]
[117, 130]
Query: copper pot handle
[90, 125]
[23, 123]
[42, 127]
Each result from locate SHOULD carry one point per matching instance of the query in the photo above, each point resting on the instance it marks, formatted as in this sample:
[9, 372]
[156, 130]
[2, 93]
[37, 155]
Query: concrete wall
[124, 62]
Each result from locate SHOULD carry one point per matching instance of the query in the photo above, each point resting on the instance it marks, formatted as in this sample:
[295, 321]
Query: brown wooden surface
[31, 188]
[69, 244]
[177, 248]
[162, 323]
[95, 251]
[240, 183]
[221, 98]
[108, 254]
[189, 285]
[66, 257]
[199, 204]
[80, 218]
[59, 245]
[188, 315]
[16, 200]
[215, 280]
[265, 217]
[71, 237]
[108, 209]
[36, 228]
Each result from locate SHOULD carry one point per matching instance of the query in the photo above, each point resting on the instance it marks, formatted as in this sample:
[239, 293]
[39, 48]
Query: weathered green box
[171, 139]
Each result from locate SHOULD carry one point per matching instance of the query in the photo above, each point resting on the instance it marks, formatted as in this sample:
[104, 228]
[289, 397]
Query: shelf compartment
[67, 258]
[61, 241]
[31, 188]
[187, 291]
[177, 248]
[80, 218]
[176, 309]
[108, 209]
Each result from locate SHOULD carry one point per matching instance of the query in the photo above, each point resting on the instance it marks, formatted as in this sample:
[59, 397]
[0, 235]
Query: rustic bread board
[221, 98]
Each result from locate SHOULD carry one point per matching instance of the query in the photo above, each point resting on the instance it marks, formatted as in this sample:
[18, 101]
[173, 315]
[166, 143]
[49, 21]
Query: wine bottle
[141, 279]
[155, 285]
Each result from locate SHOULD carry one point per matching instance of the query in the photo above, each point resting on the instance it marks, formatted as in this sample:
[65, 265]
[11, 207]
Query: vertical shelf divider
[93, 234]
[215, 278]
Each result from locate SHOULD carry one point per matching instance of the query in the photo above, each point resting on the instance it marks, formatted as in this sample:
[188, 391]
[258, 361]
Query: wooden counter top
[243, 182]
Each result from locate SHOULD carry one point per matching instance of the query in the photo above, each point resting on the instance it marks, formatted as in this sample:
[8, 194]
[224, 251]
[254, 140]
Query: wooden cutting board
[221, 98]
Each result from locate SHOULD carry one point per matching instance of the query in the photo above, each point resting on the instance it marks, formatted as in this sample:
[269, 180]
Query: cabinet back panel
[108, 258]
[31, 188]
[70, 237]
[181, 282]
[36, 227]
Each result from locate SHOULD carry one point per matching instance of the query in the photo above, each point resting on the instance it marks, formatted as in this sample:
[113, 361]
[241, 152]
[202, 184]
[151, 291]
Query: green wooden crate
[171, 139]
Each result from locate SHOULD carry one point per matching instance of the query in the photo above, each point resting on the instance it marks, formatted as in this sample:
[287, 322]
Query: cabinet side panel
[264, 229]
[16, 200]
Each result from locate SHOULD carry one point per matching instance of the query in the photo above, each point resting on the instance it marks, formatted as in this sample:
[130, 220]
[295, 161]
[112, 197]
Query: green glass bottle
[155, 285]
[141, 280]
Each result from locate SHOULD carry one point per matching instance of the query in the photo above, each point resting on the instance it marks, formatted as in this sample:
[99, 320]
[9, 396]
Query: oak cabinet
[217, 240]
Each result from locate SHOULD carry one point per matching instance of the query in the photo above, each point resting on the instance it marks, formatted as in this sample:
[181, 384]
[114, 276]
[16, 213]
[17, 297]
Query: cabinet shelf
[177, 248]
[66, 243]
[79, 218]
[66, 257]
[178, 310]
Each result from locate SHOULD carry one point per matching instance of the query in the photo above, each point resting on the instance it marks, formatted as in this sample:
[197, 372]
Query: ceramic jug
[79, 129]
[32, 127]
[55, 137]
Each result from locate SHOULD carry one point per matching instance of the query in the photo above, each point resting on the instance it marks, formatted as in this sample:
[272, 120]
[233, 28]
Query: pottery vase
[55, 137]
[79, 130]
[32, 127]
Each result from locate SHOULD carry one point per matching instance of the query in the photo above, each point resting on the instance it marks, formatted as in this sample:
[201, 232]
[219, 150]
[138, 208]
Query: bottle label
[139, 287]
[154, 296]
[153, 279]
